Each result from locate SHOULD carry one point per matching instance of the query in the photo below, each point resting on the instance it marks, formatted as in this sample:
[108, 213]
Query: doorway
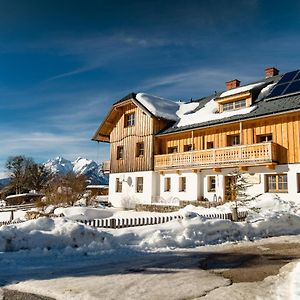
[230, 188]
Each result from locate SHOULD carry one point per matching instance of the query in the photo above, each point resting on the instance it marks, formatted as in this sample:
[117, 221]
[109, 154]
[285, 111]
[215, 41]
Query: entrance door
[230, 188]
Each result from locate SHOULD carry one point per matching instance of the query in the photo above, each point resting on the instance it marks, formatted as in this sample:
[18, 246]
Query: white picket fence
[143, 221]
[114, 223]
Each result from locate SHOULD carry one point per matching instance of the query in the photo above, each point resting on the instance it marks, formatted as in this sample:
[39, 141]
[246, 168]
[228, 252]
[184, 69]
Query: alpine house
[166, 151]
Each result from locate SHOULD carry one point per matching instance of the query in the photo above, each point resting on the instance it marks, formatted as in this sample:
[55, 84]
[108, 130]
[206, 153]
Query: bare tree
[18, 166]
[65, 189]
[25, 174]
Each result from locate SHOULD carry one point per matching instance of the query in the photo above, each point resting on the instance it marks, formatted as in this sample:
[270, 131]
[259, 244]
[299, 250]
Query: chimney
[232, 84]
[270, 72]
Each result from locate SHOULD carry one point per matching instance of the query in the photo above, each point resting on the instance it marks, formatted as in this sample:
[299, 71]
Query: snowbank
[192, 231]
[45, 233]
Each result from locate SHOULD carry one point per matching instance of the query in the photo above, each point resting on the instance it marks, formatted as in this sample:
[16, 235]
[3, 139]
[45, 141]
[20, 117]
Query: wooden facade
[128, 137]
[284, 129]
[261, 141]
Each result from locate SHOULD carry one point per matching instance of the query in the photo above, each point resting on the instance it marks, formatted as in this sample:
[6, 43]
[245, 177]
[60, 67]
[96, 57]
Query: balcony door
[230, 191]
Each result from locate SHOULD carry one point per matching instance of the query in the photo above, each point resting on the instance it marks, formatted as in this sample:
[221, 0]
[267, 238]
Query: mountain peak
[80, 166]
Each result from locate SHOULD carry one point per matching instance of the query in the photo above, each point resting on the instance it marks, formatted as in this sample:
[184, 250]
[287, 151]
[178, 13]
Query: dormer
[237, 97]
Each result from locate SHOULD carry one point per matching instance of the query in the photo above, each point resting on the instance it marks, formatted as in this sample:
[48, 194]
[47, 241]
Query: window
[228, 106]
[172, 150]
[277, 183]
[182, 184]
[118, 185]
[211, 183]
[264, 138]
[120, 152]
[139, 184]
[139, 149]
[234, 105]
[187, 148]
[209, 145]
[233, 140]
[298, 182]
[129, 119]
[167, 187]
[239, 104]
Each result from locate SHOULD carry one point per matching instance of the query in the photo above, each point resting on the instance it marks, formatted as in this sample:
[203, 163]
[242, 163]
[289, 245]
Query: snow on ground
[209, 113]
[18, 215]
[84, 213]
[192, 231]
[50, 251]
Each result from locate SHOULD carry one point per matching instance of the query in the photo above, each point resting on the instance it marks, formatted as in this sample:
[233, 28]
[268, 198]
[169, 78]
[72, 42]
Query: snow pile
[45, 233]
[209, 113]
[241, 89]
[199, 232]
[192, 231]
[159, 107]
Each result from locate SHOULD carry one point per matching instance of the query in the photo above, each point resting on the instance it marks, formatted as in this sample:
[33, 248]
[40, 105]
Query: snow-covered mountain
[81, 166]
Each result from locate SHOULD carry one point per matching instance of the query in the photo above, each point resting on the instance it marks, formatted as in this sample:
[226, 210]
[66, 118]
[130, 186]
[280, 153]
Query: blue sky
[63, 63]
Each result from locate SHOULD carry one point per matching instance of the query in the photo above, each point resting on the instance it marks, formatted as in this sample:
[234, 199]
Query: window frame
[234, 105]
[139, 186]
[167, 184]
[210, 179]
[172, 148]
[182, 184]
[140, 151]
[267, 135]
[209, 145]
[277, 183]
[230, 139]
[118, 185]
[188, 148]
[129, 119]
[120, 152]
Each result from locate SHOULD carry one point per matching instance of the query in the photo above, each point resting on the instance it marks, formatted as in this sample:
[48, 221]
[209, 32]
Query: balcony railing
[106, 166]
[241, 155]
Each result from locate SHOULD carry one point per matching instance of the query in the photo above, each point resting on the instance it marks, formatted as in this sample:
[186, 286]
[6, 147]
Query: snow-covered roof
[241, 89]
[24, 195]
[210, 112]
[159, 107]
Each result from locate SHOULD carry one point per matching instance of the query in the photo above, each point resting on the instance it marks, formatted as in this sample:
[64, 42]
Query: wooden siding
[285, 130]
[142, 132]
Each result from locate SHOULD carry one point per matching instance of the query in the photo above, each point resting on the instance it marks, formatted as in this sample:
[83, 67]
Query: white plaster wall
[192, 186]
[259, 188]
[196, 185]
[129, 191]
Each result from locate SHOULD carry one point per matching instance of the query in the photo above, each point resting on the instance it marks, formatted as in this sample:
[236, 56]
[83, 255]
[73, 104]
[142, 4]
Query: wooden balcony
[106, 166]
[242, 155]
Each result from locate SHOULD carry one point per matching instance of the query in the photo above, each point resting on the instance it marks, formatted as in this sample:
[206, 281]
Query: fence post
[113, 223]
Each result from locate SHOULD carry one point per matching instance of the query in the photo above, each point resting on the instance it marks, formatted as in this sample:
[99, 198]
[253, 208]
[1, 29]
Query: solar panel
[293, 87]
[278, 89]
[288, 84]
[288, 77]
